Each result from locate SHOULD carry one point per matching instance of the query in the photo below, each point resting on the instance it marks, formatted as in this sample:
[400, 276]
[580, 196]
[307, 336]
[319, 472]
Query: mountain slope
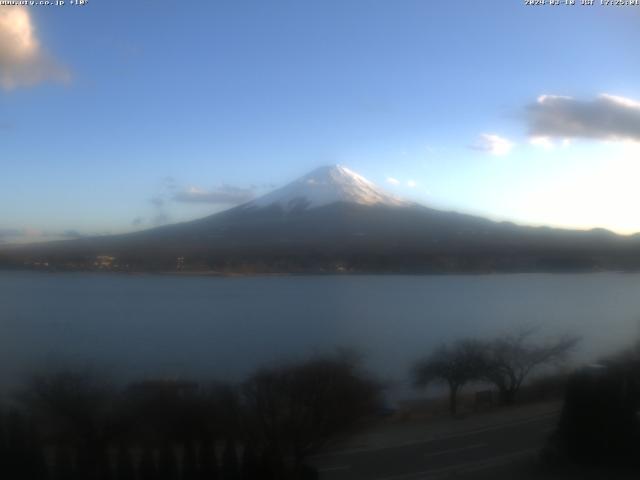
[333, 219]
[324, 186]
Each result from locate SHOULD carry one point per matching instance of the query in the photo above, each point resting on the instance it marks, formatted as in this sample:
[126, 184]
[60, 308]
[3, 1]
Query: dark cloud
[161, 219]
[169, 183]
[8, 234]
[161, 216]
[69, 234]
[171, 191]
[157, 202]
[224, 195]
[160, 202]
[607, 117]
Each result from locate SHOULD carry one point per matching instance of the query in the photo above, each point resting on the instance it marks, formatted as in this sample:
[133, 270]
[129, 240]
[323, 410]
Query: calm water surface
[201, 327]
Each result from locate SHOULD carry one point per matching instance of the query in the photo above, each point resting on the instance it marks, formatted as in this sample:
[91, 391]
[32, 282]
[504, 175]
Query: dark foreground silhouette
[73, 426]
[600, 420]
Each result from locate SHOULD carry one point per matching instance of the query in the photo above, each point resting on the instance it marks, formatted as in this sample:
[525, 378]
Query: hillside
[335, 220]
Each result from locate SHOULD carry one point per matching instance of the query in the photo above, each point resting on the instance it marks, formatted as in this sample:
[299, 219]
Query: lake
[209, 327]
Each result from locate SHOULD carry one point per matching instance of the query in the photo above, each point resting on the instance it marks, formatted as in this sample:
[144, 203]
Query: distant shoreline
[218, 274]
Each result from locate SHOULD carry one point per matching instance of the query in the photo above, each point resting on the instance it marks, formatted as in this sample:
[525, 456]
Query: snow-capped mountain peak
[324, 186]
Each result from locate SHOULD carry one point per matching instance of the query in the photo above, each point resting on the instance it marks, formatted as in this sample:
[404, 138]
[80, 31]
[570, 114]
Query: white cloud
[543, 142]
[493, 144]
[625, 102]
[411, 183]
[223, 195]
[23, 62]
[393, 181]
[544, 98]
[607, 117]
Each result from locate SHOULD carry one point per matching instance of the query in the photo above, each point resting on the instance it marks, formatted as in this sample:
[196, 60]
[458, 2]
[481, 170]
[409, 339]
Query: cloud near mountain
[19, 235]
[493, 144]
[223, 195]
[607, 117]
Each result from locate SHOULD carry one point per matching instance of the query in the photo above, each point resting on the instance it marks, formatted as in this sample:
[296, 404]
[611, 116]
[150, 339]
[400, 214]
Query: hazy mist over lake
[211, 327]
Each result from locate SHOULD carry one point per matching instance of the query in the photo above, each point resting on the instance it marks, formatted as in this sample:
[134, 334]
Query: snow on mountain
[324, 186]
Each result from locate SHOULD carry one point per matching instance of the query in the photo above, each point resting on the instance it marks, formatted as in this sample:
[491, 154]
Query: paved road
[442, 457]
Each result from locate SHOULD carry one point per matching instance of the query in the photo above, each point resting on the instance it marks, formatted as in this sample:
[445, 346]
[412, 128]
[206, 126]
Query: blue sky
[119, 115]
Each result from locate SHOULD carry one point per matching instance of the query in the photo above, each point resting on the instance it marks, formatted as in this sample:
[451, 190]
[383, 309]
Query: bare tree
[455, 365]
[296, 409]
[511, 358]
[73, 409]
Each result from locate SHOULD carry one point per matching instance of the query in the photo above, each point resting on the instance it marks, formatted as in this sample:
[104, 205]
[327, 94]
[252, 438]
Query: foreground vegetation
[504, 362]
[76, 426]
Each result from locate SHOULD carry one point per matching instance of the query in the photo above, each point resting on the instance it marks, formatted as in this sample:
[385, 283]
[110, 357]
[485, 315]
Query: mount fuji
[324, 186]
[334, 220]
